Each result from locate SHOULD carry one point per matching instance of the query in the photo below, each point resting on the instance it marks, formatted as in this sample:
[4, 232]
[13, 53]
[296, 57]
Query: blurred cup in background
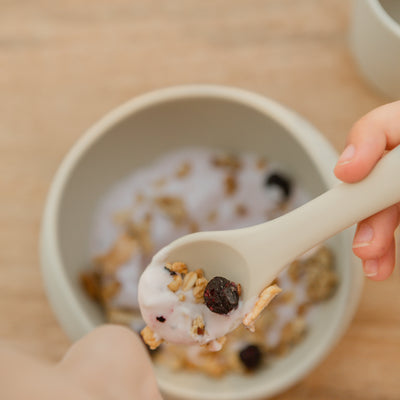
[375, 43]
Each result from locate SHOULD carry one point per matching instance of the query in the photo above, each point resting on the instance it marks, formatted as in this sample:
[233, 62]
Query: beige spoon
[254, 256]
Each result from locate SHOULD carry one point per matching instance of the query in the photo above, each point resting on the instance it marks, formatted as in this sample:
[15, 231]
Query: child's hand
[109, 363]
[370, 137]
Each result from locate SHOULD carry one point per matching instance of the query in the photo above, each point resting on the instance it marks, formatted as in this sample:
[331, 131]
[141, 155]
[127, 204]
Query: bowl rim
[53, 272]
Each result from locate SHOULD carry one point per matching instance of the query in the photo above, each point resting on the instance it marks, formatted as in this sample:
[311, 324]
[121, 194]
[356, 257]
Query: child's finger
[376, 132]
[379, 269]
[374, 235]
[112, 362]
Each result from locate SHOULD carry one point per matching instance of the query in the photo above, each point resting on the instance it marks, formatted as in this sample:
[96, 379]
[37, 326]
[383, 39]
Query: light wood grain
[65, 63]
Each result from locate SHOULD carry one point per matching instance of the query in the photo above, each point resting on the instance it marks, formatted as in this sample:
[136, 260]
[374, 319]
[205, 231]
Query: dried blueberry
[251, 356]
[160, 318]
[221, 295]
[277, 179]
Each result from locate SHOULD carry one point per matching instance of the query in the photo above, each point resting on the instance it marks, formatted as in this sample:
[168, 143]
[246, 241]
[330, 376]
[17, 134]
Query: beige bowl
[137, 133]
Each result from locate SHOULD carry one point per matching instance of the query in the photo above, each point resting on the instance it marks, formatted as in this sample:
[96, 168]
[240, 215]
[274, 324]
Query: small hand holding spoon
[254, 256]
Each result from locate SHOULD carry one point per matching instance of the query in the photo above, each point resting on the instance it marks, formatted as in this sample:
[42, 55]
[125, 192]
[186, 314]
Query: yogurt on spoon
[182, 306]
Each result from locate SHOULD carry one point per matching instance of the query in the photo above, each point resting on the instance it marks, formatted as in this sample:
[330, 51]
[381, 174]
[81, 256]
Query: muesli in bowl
[198, 189]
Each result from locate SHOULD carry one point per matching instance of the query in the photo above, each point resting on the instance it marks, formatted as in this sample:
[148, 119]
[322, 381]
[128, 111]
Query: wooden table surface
[64, 63]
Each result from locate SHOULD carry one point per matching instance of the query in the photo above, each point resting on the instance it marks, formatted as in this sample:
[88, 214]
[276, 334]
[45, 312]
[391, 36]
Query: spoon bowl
[212, 252]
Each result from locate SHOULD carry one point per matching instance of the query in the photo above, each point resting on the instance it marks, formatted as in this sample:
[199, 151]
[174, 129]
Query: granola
[173, 207]
[150, 338]
[265, 297]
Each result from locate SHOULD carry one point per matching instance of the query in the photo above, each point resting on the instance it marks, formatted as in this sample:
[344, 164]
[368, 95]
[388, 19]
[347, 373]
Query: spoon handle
[285, 238]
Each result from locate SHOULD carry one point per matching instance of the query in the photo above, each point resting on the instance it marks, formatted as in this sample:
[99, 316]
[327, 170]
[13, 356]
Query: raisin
[277, 179]
[221, 295]
[251, 357]
[160, 318]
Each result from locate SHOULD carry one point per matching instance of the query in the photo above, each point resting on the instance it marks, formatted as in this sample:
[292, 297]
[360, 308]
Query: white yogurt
[156, 300]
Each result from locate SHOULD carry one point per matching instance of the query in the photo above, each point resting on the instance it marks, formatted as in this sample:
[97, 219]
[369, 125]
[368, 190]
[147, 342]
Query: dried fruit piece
[221, 295]
[251, 357]
[277, 179]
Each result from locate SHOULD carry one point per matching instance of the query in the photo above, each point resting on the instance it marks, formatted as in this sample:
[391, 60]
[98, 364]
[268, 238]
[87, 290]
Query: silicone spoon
[254, 256]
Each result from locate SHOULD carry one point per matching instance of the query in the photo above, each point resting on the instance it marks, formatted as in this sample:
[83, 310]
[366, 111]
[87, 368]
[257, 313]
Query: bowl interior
[140, 138]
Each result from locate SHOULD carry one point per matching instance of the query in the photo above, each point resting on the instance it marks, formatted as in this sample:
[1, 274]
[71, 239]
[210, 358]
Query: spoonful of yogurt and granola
[185, 307]
[203, 285]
